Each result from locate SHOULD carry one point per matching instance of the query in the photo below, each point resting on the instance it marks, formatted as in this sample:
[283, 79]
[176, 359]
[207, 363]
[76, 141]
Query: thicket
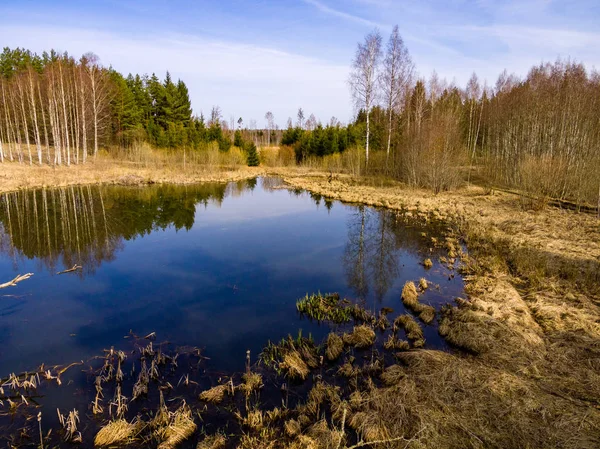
[540, 134]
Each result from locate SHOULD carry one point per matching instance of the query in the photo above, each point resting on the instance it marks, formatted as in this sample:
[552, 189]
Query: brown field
[14, 176]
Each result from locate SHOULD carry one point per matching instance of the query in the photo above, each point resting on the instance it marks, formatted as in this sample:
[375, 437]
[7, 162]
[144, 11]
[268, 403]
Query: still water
[217, 266]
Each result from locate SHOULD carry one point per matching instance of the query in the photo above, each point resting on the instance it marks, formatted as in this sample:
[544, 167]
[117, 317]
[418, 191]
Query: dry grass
[118, 432]
[335, 346]
[251, 382]
[213, 442]
[294, 366]
[394, 343]
[173, 428]
[105, 170]
[413, 330]
[215, 395]
[410, 298]
[361, 337]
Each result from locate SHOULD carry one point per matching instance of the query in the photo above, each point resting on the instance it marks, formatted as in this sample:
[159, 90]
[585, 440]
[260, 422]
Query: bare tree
[397, 72]
[363, 77]
[311, 123]
[99, 95]
[215, 116]
[270, 125]
[300, 118]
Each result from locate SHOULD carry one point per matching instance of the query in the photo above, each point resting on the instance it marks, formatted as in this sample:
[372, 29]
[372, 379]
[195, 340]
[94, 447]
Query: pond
[214, 266]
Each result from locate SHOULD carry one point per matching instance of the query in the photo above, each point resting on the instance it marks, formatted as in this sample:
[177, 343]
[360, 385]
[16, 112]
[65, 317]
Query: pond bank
[14, 176]
[527, 372]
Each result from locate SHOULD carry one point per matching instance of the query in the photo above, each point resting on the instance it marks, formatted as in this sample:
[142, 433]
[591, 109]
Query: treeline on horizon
[540, 133]
[56, 109]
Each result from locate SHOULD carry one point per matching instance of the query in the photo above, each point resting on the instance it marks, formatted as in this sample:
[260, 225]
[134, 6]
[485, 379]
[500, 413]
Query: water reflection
[215, 265]
[87, 225]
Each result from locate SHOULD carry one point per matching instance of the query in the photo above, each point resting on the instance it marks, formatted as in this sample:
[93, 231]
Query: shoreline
[15, 177]
[528, 329]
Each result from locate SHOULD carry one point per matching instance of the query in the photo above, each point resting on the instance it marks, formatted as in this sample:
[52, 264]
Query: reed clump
[413, 330]
[394, 343]
[173, 428]
[335, 346]
[217, 441]
[215, 395]
[326, 307]
[294, 366]
[292, 357]
[361, 337]
[251, 382]
[410, 298]
[118, 432]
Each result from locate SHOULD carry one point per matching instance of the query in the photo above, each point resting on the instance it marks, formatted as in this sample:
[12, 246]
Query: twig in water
[73, 268]
[15, 281]
[39, 418]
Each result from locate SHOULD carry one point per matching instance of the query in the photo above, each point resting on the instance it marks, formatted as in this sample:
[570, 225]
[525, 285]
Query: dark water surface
[215, 266]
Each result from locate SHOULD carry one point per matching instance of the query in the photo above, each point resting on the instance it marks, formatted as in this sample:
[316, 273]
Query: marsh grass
[215, 395]
[292, 357]
[118, 432]
[413, 330]
[328, 307]
[334, 347]
[173, 428]
[213, 442]
[361, 337]
[410, 298]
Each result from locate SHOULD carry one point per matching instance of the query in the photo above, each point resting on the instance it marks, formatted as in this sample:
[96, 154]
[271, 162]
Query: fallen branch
[74, 268]
[16, 280]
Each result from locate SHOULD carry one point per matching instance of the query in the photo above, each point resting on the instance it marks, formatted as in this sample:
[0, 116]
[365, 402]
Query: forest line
[540, 134]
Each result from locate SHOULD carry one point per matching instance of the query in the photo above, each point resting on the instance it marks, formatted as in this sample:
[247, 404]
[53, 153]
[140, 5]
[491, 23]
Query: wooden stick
[16, 280]
[74, 268]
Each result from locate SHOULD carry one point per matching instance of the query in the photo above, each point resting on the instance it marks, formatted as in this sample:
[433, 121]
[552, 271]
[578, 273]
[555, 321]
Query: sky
[250, 57]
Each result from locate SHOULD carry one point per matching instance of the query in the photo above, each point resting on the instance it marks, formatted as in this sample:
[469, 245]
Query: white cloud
[344, 15]
[244, 80]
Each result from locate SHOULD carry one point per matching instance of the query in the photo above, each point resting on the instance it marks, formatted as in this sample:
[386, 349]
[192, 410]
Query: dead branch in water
[70, 270]
[16, 280]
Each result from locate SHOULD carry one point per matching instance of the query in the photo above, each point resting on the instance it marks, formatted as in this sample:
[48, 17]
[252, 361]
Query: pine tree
[182, 106]
[237, 139]
[252, 156]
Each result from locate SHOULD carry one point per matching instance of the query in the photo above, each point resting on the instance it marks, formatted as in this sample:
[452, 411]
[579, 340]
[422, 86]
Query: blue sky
[249, 57]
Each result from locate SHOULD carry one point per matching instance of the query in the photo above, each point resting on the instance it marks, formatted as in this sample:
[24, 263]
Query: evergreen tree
[182, 106]
[252, 156]
[237, 139]
[125, 112]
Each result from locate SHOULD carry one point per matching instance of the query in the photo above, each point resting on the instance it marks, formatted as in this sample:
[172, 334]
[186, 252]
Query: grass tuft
[335, 346]
[118, 432]
[361, 337]
[215, 395]
[324, 308]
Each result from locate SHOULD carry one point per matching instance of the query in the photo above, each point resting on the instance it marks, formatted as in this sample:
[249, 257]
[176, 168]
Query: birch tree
[270, 123]
[397, 72]
[363, 77]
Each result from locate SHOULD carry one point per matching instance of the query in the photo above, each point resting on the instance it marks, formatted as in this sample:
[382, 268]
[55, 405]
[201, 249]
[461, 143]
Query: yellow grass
[14, 176]
[117, 432]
